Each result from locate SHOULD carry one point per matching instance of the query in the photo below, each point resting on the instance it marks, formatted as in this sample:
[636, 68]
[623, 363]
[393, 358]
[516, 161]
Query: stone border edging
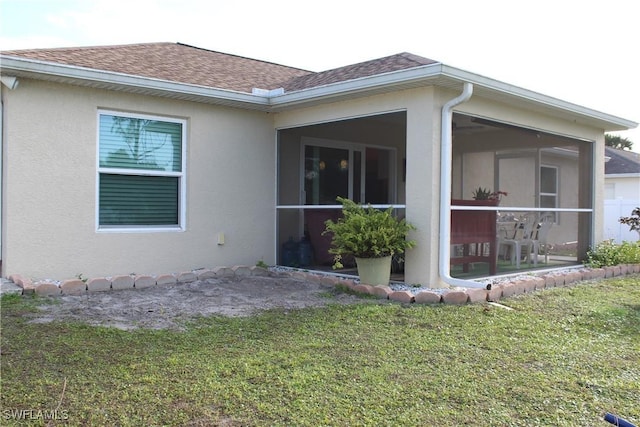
[461, 296]
[102, 284]
[455, 296]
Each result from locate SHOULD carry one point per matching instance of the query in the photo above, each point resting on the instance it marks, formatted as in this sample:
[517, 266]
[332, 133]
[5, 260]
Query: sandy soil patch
[169, 306]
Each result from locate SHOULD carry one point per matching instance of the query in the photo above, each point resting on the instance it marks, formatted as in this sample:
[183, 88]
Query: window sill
[138, 229]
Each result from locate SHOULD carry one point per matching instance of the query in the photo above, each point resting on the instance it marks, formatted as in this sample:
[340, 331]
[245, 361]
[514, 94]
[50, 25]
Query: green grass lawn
[562, 357]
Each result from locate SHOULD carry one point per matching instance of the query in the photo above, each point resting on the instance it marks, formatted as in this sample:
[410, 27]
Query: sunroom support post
[422, 176]
[586, 199]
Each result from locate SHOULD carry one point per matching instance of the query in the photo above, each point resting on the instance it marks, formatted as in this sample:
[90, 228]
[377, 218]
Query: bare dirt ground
[169, 306]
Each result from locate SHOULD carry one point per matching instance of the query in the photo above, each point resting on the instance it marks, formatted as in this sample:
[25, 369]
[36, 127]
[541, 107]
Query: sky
[584, 52]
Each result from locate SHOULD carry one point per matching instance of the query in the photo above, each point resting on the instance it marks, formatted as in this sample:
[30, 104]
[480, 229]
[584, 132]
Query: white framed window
[549, 188]
[141, 172]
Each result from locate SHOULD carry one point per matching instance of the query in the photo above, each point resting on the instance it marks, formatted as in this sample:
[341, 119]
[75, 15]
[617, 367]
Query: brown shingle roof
[400, 61]
[173, 62]
[187, 64]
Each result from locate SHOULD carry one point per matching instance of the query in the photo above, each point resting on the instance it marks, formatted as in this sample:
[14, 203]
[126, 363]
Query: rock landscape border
[505, 288]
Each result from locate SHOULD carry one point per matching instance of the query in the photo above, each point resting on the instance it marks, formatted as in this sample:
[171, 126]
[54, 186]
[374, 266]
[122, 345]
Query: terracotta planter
[374, 271]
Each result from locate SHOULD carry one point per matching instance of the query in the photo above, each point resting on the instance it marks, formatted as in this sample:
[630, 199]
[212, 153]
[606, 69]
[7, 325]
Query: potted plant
[372, 236]
[486, 194]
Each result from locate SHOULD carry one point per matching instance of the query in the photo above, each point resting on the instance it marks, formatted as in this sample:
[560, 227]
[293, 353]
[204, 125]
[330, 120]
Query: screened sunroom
[547, 180]
[537, 189]
[360, 159]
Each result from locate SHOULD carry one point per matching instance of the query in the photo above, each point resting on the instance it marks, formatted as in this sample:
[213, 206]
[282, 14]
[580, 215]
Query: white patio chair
[547, 220]
[520, 238]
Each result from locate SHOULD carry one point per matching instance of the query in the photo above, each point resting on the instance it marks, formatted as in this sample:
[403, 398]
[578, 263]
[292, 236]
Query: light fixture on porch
[344, 165]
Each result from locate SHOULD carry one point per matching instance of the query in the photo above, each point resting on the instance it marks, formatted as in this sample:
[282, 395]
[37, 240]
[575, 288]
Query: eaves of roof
[622, 175]
[437, 74]
[445, 76]
[80, 76]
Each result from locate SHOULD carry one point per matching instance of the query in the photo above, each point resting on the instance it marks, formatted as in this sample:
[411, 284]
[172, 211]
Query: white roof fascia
[20, 66]
[498, 86]
[622, 175]
[438, 70]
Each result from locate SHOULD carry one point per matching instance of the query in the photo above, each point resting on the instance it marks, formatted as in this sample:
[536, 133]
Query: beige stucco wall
[565, 230]
[50, 159]
[49, 228]
[477, 171]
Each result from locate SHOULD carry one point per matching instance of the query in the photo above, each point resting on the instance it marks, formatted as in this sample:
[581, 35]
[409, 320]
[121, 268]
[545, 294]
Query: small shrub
[608, 253]
[632, 221]
[630, 252]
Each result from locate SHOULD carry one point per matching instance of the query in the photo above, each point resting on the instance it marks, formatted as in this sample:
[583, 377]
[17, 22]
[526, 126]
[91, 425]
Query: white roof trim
[109, 79]
[440, 72]
[394, 78]
[498, 86]
[622, 175]
[437, 74]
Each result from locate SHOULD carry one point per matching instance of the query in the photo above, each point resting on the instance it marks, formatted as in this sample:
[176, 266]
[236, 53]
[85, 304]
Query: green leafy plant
[262, 264]
[608, 253]
[366, 232]
[632, 221]
[486, 194]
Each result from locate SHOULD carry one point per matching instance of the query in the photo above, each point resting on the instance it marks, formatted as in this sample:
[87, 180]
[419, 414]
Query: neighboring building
[621, 192]
[621, 174]
[162, 157]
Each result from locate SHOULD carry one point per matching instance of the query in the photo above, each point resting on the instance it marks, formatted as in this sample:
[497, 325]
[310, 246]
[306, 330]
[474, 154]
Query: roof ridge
[239, 56]
[407, 55]
[385, 64]
[624, 153]
[417, 58]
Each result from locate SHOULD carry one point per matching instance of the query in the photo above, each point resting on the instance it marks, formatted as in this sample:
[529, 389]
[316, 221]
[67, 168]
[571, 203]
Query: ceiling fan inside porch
[464, 125]
[501, 125]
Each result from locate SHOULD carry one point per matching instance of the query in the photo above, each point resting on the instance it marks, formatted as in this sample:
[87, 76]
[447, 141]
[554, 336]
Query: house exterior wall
[49, 221]
[623, 187]
[476, 170]
[622, 197]
[49, 227]
[518, 180]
